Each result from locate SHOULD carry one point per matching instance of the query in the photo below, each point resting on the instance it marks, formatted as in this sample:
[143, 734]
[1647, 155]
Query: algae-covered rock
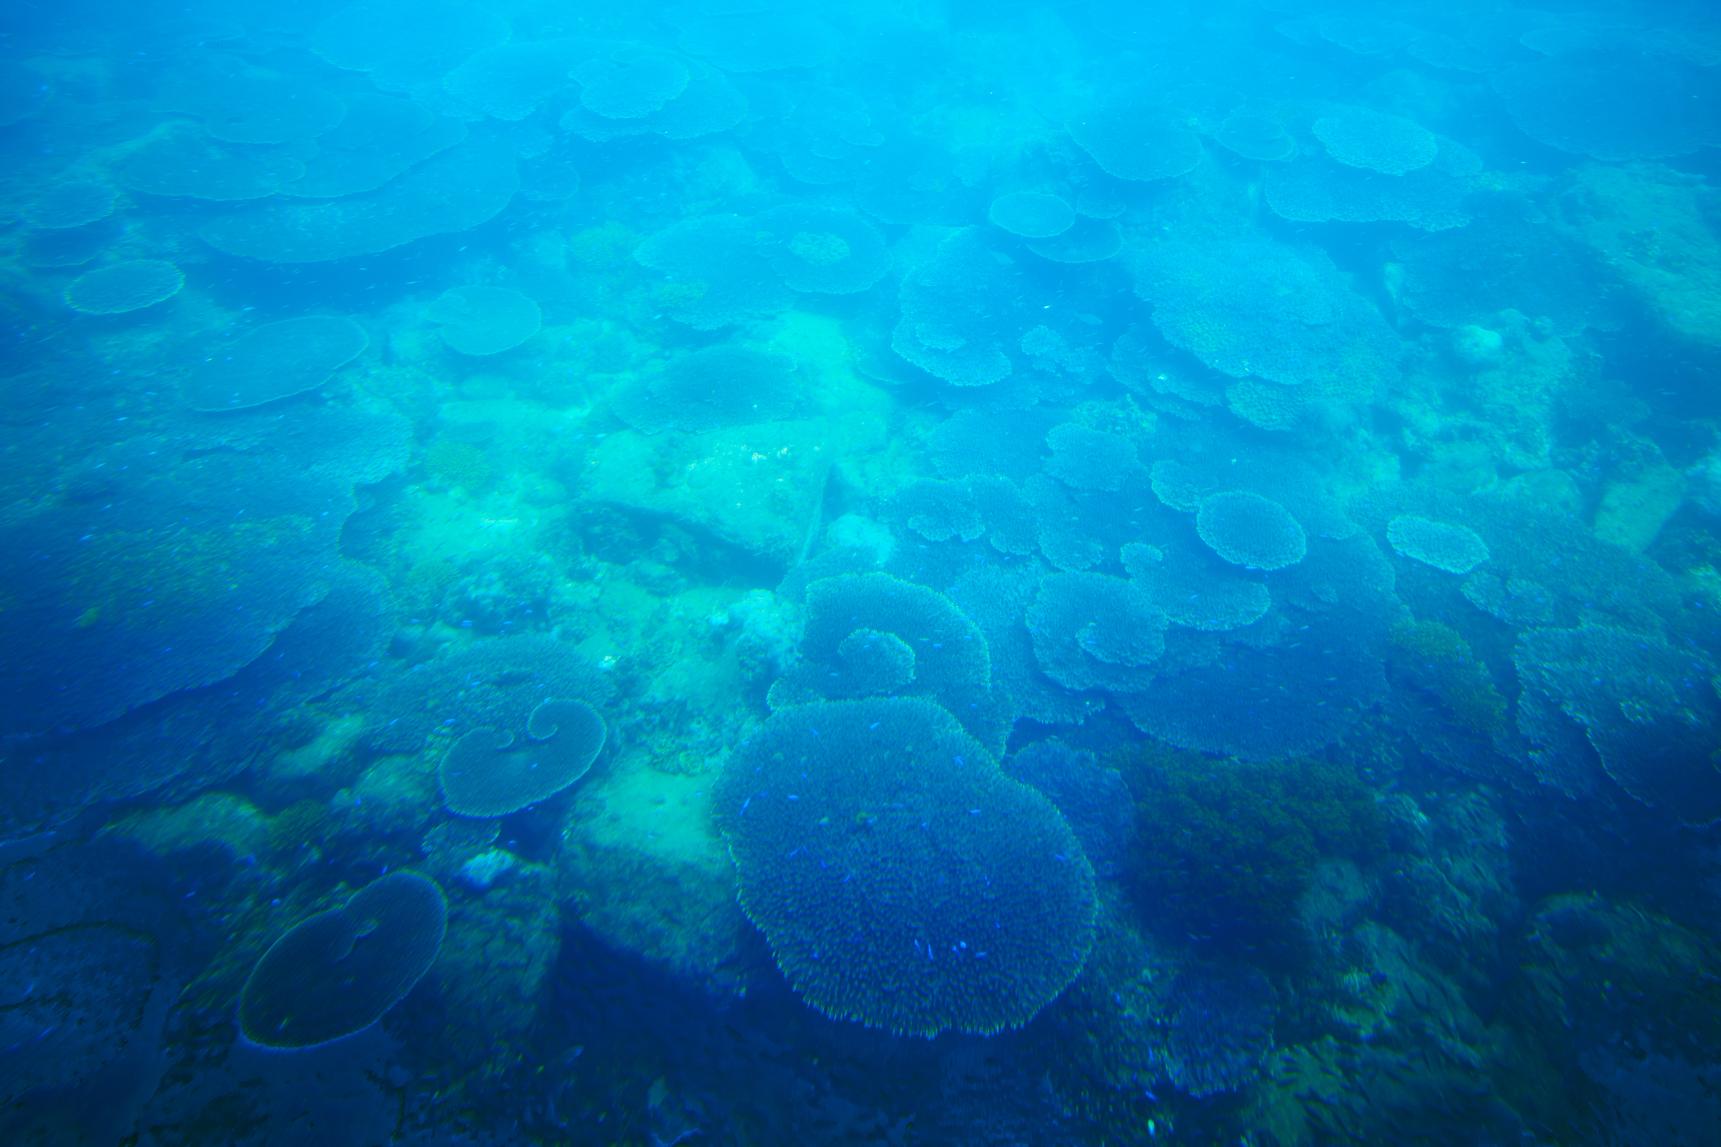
[755, 488]
[642, 866]
[223, 819]
[1626, 1002]
[1633, 509]
[1654, 228]
[503, 940]
[750, 476]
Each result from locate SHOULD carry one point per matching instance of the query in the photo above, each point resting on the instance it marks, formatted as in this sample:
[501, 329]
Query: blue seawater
[906, 572]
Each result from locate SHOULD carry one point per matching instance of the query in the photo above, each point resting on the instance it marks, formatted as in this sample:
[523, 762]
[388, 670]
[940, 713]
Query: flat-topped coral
[455, 190]
[484, 320]
[1197, 592]
[1508, 258]
[402, 44]
[630, 81]
[1073, 532]
[274, 361]
[495, 682]
[908, 179]
[1031, 214]
[175, 579]
[713, 272]
[1088, 241]
[1255, 136]
[1376, 141]
[183, 162]
[1266, 701]
[1614, 102]
[509, 81]
[1249, 530]
[70, 203]
[900, 878]
[1137, 143]
[859, 628]
[238, 101]
[1282, 471]
[338, 972]
[1548, 569]
[723, 385]
[492, 772]
[875, 663]
[1646, 709]
[1455, 549]
[960, 309]
[1177, 486]
[823, 250]
[750, 40]
[1431, 198]
[987, 443]
[381, 137]
[91, 947]
[824, 138]
[351, 445]
[67, 248]
[951, 655]
[1093, 631]
[1364, 34]
[121, 288]
[22, 93]
[78, 995]
[705, 104]
[1083, 458]
[997, 598]
[1253, 306]
[968, 509]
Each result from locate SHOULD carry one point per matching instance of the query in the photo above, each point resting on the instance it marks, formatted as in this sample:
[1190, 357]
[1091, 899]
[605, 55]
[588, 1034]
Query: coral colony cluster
[910, 572]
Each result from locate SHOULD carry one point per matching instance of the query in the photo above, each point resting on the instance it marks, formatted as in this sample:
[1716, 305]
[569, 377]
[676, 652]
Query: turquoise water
[888, 573]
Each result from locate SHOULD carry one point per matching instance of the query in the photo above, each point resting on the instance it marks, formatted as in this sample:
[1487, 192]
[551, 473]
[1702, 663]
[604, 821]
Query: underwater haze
[921, 573]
